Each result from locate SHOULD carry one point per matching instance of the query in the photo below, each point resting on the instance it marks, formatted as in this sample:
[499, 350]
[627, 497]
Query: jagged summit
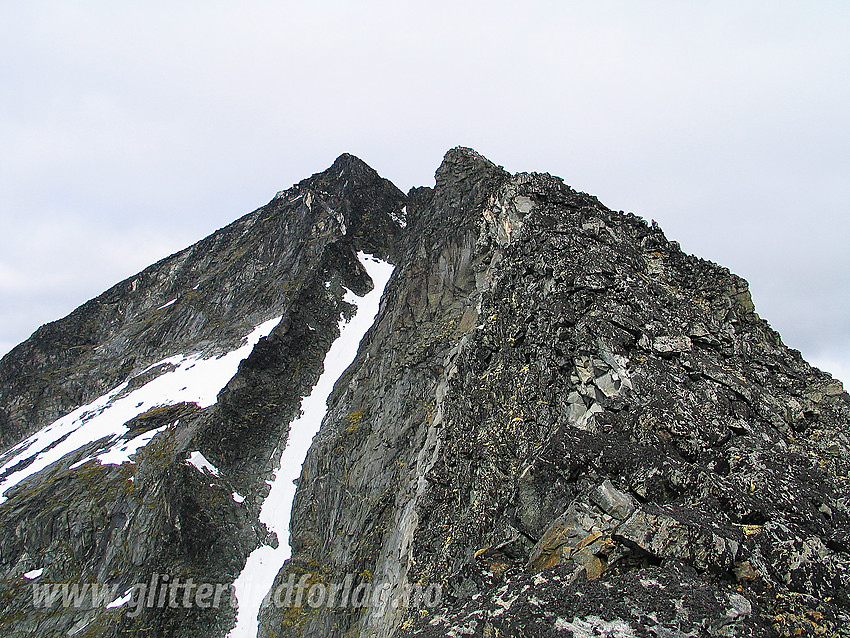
[353, 164]
[464, 160]
[214, 287]
[347, 171]
[556, 420]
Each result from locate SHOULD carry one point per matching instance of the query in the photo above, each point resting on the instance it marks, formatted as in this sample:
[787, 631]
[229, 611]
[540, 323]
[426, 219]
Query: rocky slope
[558, 420]
[571, 425]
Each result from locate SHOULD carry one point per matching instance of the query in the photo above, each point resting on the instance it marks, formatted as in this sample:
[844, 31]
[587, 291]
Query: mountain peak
[462, 160]
[552, 417]
[352, 164]
[464, 181]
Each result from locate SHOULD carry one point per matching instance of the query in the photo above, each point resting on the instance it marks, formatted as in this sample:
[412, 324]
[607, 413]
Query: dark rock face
[251, 270]
[123, 524]
[560, 419]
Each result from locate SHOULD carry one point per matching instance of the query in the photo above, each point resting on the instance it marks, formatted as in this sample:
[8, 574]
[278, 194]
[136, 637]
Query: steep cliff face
[232, 280]
[558, 424]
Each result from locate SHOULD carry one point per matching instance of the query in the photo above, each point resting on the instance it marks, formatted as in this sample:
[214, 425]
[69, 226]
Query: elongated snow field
[264, 563]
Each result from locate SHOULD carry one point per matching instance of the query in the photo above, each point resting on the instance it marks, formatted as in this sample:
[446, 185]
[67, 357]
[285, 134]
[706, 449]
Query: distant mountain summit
[508, 411]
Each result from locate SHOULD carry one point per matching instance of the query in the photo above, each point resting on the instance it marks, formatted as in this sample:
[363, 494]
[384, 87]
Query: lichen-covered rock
[651, 602]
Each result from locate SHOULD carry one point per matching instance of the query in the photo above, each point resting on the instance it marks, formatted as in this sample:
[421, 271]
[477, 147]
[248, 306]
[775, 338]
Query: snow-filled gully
[264, 563]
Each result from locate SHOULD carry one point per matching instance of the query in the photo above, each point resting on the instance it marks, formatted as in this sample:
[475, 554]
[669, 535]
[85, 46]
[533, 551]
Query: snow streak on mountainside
[264, 563]
[102, 424]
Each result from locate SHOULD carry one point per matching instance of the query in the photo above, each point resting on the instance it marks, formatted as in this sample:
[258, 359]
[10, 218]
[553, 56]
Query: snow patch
[400, 218]
[265, 562]
[80, 463]
[190, 379]
[34, 574]
[120, 453]
[199, 461]
[166, 304]
[121, 600]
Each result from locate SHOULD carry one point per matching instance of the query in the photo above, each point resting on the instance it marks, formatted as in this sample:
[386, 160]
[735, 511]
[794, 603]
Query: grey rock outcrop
[119, 525]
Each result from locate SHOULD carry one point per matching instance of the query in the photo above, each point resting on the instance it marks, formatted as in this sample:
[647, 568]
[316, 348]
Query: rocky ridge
[561, 419]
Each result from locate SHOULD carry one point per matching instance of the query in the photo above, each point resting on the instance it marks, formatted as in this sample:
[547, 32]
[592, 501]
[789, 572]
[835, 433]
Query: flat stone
[672, 345]
[612, 501]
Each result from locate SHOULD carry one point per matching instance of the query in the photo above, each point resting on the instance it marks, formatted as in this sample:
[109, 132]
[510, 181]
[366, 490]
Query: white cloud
[53, 264]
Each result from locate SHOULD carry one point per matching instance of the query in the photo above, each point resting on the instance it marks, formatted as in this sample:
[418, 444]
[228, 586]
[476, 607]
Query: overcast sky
[129, 131]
